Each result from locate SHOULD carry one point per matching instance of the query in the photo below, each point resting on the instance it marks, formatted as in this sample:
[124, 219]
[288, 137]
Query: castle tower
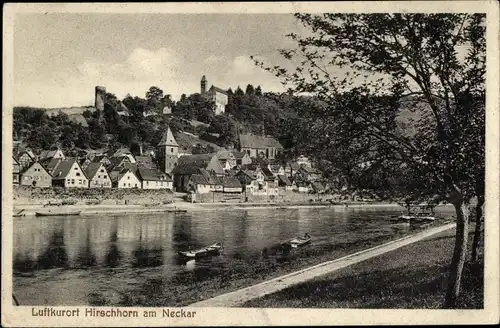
[204, 83]
[100, 96]
[168, 148]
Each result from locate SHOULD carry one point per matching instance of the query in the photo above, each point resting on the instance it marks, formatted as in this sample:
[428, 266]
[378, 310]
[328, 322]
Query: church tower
[168, 148]
[204, 83]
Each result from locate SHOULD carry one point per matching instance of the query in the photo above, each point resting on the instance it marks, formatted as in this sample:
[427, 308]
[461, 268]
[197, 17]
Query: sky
[60, 57]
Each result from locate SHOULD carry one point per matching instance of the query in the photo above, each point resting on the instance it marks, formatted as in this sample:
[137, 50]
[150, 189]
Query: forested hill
[134, 120]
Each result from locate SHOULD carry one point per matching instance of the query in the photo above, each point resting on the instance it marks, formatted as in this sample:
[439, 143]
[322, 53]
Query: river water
[100, 259]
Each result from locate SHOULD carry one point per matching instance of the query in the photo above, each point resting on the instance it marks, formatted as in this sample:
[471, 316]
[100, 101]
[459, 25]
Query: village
[253, 167]
[228, 171]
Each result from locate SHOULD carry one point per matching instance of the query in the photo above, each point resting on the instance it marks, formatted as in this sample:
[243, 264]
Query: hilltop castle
[218, 95]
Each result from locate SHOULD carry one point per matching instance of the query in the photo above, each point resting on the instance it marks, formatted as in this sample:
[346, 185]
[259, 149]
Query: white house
[154, 179]
[68, 173]
[125, 179]
[98, 175]
[198, 184]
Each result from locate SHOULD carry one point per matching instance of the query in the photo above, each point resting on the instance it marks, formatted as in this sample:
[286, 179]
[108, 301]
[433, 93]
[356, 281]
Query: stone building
[168, 150]
[217, 95]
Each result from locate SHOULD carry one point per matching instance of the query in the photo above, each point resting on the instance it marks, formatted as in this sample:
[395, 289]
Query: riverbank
[274, 285]
[130, 260]
[412, 277]
[181, 291]
[29, 210]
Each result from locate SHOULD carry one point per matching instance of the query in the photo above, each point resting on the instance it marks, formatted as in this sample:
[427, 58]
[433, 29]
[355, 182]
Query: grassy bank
[412, 277]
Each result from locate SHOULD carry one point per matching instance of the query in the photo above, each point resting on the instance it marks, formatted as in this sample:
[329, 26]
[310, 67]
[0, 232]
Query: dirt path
[271, 286]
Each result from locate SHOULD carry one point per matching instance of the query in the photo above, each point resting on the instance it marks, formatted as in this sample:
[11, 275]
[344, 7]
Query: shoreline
[238, 297]
[29, 209]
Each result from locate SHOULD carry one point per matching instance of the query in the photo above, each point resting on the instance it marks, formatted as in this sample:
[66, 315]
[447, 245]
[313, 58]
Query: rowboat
[211, 250]
[299, 241]
[57, 213]
[19, 214]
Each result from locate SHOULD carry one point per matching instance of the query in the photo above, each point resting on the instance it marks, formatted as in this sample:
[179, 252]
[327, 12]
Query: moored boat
[19, 214]
[214, 249]
[298, 241]
[57, 213]
[416, 214]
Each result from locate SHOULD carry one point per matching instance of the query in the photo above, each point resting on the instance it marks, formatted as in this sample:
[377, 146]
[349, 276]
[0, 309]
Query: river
[131, 259]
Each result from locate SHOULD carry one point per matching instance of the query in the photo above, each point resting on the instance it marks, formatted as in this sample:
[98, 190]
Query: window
[128, 177]
[79, 181]
[77, 174]
[102, 170]
[98, 177]
[72, 181]
[171, 150]
[76, 168]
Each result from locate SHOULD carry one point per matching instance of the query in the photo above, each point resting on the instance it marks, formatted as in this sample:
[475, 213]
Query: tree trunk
[477, 231]
[459, 253]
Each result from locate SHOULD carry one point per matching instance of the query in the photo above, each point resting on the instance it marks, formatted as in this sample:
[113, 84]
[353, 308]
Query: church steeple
[203, 84]
[168, 150]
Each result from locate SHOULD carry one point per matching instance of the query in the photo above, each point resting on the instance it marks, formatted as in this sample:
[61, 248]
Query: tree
[250, 90]
[154, 95]
[392, 57]
[258, 91]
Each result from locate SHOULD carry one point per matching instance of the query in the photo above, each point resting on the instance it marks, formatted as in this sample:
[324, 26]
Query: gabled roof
[117, 162]
[116, 175]
[275, 168]
[92, 169]
[49, 153]
[199, 160]
[231, 182]
[50, 163]
[168, 139]
[210, 177]
[253, 141]
[98, 158]
[267, 174]
[250, 173]
[217, 89]
[283, 179]
[317, 186]
[224, 154]
[21, 153]
[145, 161]
[198, 179]
[146, 174]
[63, 168]
[33, 164]
[121, 152]
[238, 154]
[186, 169]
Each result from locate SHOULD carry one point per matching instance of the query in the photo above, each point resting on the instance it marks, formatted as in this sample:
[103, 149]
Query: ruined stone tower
[100, 96]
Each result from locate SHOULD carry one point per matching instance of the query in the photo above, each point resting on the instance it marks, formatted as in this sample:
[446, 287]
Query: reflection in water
[113, 254]
[145, 254]
[86, 257]
[153, 240]
[55, 255]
